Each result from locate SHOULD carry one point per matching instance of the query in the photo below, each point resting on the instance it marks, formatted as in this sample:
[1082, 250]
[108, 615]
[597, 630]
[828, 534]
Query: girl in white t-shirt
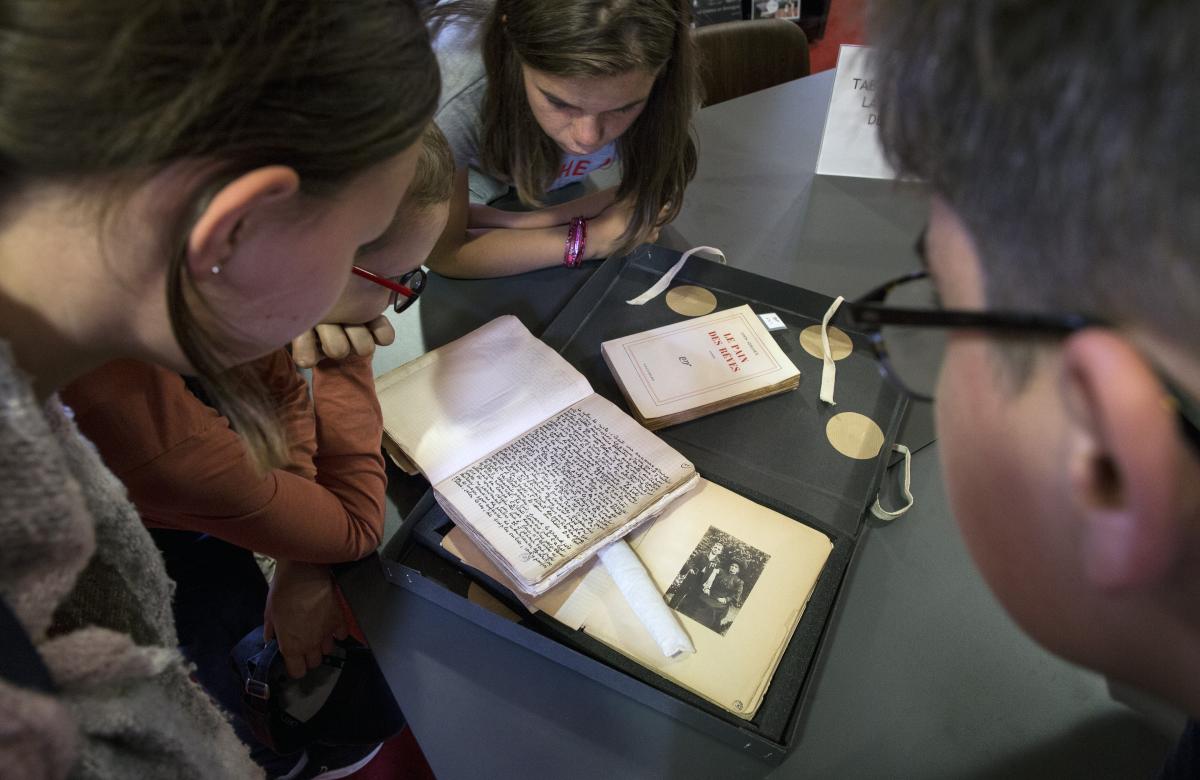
[539, 94]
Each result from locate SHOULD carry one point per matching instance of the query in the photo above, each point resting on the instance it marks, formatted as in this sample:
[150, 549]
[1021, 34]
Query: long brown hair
[112, 92]
[588, 38]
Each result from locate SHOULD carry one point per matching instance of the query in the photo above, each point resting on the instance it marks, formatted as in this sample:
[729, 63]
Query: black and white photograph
[715, 581]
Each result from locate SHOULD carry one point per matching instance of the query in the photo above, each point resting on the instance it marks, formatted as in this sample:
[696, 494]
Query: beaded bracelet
[573, 252]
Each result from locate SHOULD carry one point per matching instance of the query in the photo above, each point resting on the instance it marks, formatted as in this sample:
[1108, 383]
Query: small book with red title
[699, 366]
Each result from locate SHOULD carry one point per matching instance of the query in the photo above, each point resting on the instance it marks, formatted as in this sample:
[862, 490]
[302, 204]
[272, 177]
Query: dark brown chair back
[737, 58]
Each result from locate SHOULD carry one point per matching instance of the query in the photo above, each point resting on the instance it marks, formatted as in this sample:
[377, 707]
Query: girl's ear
[1126, 463]
[215, 234]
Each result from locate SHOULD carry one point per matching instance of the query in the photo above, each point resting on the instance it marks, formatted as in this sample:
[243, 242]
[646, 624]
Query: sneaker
[329, 762]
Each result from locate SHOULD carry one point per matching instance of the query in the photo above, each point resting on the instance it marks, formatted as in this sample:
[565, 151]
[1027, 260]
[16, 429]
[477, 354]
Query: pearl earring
[216, 269]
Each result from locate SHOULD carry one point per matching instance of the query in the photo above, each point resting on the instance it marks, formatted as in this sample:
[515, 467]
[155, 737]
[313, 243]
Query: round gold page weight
[854, 435]
[691, 301]
[840, 345]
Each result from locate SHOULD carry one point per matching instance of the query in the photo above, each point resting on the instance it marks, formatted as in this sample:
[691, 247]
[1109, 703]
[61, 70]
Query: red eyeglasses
[405, 289]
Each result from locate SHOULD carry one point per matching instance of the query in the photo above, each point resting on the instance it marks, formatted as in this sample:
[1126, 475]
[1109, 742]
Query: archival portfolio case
[773, 451]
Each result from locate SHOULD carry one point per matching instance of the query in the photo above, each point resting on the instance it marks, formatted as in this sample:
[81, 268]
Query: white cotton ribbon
[829, 369]
[885, 514]
[657, 288]
[643, 596]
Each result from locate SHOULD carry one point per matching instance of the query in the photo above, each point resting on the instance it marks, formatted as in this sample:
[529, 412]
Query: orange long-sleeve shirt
[186, 469]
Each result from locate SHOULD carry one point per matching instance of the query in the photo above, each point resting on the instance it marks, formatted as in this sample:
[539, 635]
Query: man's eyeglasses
[405, 289]
[909, 332]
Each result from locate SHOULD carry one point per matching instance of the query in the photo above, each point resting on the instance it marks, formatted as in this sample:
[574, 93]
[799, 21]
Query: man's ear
[215, 234]
[1126, 462]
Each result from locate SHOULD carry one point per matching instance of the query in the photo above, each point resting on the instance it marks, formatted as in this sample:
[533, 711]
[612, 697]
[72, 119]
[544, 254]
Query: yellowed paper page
[454, 405]
[476, 594]
[738, 642]
[398, 457]
[541, 505]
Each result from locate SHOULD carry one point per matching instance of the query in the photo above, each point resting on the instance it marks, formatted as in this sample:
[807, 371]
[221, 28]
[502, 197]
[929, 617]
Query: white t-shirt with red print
[576, 167]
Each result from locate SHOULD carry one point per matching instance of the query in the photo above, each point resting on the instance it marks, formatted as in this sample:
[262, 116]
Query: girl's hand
[605, 231]
[338, 341]
[303, 615]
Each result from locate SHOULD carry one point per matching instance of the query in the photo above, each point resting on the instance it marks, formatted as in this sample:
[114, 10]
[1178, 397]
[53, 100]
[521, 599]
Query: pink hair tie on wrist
[573, 252]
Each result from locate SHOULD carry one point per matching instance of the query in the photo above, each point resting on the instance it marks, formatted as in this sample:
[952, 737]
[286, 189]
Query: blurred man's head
[1060, 143]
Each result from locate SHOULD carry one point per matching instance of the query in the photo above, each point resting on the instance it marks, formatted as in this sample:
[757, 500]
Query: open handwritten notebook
[740, 606]
[537, 469]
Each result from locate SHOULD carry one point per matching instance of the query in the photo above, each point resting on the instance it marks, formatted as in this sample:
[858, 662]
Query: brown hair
[1063, 135]
[433, 182]
[588, 38]
[113, 92]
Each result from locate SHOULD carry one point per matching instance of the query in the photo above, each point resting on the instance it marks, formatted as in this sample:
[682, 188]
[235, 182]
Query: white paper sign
[850, 143]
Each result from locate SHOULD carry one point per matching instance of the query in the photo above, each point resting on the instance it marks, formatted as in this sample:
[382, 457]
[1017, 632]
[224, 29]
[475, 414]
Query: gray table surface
[924, 674]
